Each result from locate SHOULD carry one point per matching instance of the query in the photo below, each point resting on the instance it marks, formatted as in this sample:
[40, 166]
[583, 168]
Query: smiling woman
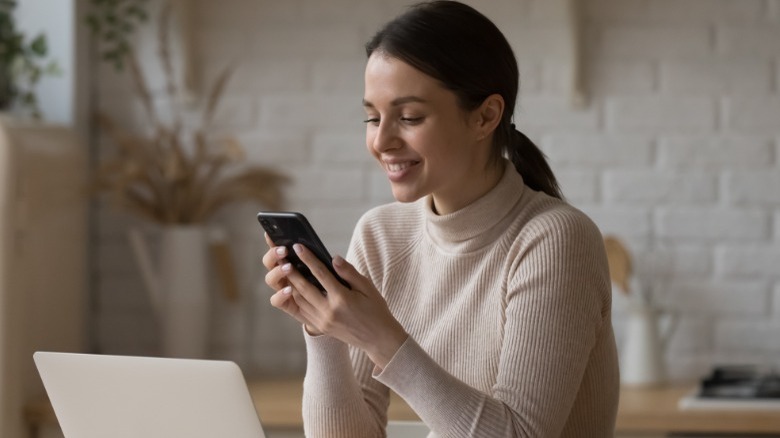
[480, 297]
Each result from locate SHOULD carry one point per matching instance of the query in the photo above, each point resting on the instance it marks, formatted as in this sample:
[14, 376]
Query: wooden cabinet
[43, 242]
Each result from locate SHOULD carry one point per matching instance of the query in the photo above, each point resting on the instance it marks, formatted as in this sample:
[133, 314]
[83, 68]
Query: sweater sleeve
[340, 396]
[553, 312]
[336, 401]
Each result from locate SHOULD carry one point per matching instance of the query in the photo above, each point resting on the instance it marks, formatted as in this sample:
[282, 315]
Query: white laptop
[99, 396]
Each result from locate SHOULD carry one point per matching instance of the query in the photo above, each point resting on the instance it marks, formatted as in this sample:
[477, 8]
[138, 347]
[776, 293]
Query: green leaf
[28, 97]
[110, 36]
[137, 12]
[34, 75]
[108, 55]
[93, 23]
[39, 46]
[52, 69]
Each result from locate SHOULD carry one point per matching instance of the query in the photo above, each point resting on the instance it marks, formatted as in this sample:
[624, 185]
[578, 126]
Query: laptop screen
[97, 396]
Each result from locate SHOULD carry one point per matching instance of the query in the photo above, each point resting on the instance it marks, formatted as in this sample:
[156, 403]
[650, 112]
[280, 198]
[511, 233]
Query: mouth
[398, 167]
[397, 170]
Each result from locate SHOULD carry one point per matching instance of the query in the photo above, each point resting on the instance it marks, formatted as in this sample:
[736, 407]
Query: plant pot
[179, 288]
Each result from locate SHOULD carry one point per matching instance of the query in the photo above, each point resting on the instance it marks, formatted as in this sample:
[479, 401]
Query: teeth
[397, 167]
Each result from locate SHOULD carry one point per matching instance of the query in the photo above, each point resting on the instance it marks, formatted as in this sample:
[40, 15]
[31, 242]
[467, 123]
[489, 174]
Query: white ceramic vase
[178, 288]
[648, 333]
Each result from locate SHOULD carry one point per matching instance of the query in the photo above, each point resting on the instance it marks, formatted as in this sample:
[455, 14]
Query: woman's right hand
[274, 260]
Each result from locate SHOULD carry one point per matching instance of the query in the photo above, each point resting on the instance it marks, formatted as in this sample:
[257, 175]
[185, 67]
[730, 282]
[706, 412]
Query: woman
[480, 297]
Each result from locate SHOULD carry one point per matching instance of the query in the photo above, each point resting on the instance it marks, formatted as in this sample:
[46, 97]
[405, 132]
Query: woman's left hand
[358, 316]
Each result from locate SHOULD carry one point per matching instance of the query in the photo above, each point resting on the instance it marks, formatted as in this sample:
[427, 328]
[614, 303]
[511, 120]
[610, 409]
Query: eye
[372, 120]
[412, 120]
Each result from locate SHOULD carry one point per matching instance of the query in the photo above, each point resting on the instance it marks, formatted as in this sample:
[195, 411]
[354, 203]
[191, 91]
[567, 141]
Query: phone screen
[286, 228]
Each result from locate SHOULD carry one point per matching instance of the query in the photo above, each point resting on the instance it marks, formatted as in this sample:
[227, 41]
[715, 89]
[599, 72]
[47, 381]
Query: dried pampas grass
[177, 175]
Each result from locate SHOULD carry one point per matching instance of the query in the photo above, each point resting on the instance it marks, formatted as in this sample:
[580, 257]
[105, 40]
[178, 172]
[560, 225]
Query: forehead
[387, 77]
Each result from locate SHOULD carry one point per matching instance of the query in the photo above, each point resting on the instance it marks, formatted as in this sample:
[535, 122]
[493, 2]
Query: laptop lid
[98, 396]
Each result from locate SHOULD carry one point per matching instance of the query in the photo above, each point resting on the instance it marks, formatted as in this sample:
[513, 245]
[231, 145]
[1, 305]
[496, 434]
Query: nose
[383, 137]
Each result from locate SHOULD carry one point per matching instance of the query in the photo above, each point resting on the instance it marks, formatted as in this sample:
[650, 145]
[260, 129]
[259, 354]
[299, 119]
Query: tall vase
[178, 288]
[648, 334]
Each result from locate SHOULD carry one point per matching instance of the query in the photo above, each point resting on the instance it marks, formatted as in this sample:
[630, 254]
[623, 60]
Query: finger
[351, 275]
[303, 286]
[306, 311]
[270, 259]
[318, 269]
[284, 301]
[268, 240]
[346, 270]
[279, 251]
[276, 278]
[274, 256]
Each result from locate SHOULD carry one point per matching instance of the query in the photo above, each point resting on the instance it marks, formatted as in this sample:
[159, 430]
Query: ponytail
[531, 163]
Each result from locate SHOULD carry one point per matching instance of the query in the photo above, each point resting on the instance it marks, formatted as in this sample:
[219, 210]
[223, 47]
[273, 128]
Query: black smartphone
[286, 228]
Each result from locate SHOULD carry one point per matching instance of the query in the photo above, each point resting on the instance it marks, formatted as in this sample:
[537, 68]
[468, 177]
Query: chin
[405, 196]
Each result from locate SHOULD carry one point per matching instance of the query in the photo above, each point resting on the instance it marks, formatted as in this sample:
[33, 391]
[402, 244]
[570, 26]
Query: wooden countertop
[641, 410]
[655, 410]
[278, 403]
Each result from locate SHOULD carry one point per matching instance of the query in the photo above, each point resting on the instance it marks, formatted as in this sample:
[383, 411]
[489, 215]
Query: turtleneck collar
[476, 224]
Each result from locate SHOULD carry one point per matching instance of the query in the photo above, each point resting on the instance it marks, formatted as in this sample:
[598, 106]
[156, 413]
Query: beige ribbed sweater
[507, 304]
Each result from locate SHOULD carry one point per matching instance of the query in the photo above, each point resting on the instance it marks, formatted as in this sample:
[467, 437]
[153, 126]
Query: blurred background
[661, 119]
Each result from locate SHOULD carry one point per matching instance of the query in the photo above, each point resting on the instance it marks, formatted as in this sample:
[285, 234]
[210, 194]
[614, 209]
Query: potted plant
[22, 64]
[177, 175]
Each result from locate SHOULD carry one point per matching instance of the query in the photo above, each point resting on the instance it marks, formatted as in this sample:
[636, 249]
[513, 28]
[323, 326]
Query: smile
[397, 167]
[399, 170]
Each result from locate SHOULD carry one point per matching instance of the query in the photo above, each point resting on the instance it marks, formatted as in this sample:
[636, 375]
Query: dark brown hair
[461, 48]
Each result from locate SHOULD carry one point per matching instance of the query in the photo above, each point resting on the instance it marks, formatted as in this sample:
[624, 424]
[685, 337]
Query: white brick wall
[752, 114]
[678, 152]
[658, 187]
[715, 152]
[616, 77]
[738, 75]
[748, 337]
[759, 187]
[760, 40]
[749, 261]
[724, 298]
[776, 302]
[712, 224]
[776, 228]
[598, 151]
[661, 114]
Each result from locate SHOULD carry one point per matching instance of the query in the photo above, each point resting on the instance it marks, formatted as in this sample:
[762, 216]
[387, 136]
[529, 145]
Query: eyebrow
[398, 101]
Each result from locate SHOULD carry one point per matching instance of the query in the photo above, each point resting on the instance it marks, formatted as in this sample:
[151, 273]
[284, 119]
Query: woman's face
[421, 137]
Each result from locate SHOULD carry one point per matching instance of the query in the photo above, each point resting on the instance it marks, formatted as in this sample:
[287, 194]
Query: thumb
[347, 271]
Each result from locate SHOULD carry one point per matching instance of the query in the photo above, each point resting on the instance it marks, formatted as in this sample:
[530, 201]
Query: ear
[488, 115]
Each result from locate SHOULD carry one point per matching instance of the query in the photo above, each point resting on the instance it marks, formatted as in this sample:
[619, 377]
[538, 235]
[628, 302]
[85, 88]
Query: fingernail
[281, 251]
[287, 290]
[338, 260]
[298, 248]
[286, 267]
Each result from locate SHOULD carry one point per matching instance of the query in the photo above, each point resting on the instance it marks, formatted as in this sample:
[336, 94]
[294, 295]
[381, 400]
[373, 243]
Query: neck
[483, 183]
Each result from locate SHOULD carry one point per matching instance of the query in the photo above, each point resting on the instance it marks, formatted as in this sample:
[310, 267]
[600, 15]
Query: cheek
[436, 146]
